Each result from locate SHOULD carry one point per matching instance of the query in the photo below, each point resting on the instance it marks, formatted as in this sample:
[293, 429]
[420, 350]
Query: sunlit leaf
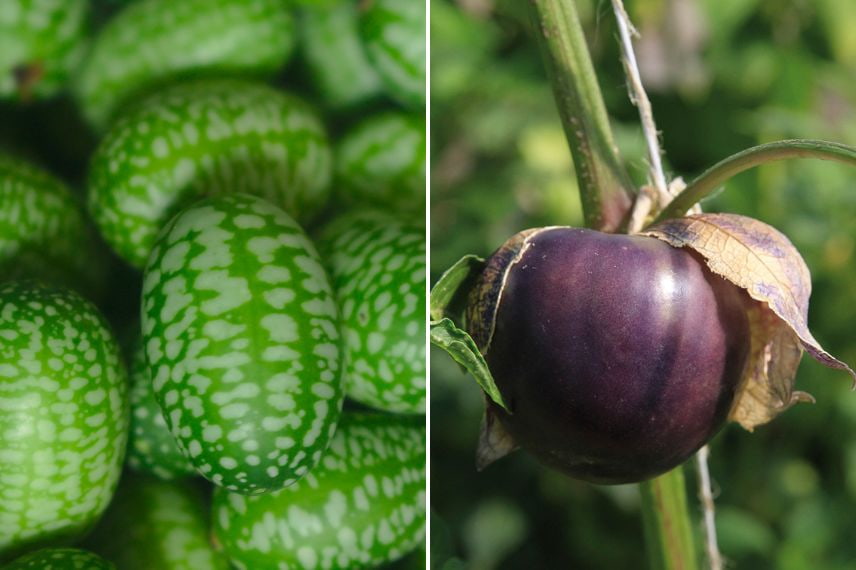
[461, 347]
[451, 283]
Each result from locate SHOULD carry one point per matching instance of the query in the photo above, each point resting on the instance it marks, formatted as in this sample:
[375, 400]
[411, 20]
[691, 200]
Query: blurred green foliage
[722, 75]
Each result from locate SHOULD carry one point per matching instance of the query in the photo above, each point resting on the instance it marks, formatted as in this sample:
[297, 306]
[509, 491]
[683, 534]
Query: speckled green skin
[394, 35]
[381, 162]
[63, 416]
[156, 525]
[154, 41]
[43, 233]
[240, 333]
[40, 37]
[60, 559]
[362, 506]
[205, 138]
[334, 54]
[377, 265]
[151, 447]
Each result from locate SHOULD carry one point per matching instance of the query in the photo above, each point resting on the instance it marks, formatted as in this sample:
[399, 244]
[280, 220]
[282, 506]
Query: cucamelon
[63, 416]
[152, 42]
[204, 138]
[363, 505]
[377, 264]
[40, 43]
[43, 232]
[381, 162]
[394, 36]
[156, 525]
[241, 337]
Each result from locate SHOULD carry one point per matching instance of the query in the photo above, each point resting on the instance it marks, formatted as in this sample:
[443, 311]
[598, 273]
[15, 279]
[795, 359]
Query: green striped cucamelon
[240, 335]
[63, 416]
[156, 525]
[40, 42]
[377, 264]
[152, 42]
[363, 505]
[151, 447]
[381, 162]
[60, 559]
[204, 138]
[394, 36]
[43, 232]
[334, 54]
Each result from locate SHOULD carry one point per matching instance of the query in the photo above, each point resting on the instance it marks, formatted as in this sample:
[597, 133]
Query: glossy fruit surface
[40, 42]
[381, 163]
[43, 232]
[618, 356]
[363, 505]
[154, 41]
[64, 420]
[241, 336]
[60, 559]
[205, 138]
[394, 36]
[151, 447]
[335, 56]
[377, 264]
[156, 524]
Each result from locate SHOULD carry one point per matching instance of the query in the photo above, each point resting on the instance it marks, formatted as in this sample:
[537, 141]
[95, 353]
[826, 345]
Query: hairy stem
[605, 187]
[668, 530]
[705, 495]
[719, 173]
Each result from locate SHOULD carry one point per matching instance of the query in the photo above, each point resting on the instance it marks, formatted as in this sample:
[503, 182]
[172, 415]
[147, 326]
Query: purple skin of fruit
[619, 356]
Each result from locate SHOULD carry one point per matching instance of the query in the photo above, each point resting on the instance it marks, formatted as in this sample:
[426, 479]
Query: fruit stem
[668, 528]
[719, 173]
[605, 188]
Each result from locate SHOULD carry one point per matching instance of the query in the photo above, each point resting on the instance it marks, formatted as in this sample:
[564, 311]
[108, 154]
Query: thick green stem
[605, 187]
[716, 175]
[668, 529]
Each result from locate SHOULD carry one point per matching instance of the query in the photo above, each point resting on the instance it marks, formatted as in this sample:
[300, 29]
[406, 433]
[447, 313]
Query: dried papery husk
[495, 442]
[762, 261]
[484, 299]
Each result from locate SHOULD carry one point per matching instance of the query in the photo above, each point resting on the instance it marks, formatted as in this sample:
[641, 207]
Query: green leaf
[715, 176]
[463, 349]
[448, 288]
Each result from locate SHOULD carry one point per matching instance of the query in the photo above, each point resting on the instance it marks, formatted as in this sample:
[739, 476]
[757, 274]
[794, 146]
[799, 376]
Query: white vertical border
[427, 283]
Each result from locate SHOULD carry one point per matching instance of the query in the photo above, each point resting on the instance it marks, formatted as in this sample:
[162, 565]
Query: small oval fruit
[381, 163]
[154, 524]
[60, 559]
[618, 356]
[394, 35]
[151, 447]
[43, 232]
[64, 420]
[153, 42]
[377, 264]
[335, 56]
[362, 506]
[40, 43]
[200, 139]
[241, 336]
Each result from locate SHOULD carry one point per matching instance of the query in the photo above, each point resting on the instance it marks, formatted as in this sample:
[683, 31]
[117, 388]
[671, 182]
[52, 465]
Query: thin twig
[706, 497]
[658, 195]
[643, 206]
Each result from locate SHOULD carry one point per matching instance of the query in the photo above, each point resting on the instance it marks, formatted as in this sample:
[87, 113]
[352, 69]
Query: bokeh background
[722, 75]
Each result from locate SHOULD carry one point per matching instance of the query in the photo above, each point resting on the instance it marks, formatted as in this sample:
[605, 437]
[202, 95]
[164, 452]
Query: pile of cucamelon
[212, 284]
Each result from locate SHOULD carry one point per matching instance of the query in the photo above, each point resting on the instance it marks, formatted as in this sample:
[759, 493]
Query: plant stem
[716, 175]
[668, 531]
[605, 187]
